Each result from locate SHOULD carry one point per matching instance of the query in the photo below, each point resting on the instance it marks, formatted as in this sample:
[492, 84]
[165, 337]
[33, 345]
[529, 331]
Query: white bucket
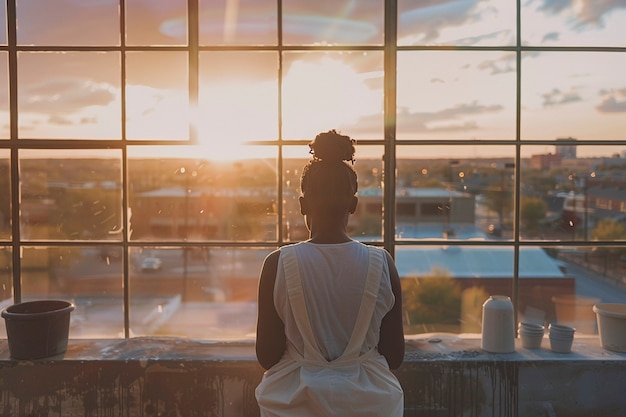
[611, 325]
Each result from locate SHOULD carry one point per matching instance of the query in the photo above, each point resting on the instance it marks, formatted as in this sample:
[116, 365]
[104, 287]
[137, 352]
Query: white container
[531, 340]
[561, 330]
[531, 327]
[611, 325]
[560, 344]
[498, 325]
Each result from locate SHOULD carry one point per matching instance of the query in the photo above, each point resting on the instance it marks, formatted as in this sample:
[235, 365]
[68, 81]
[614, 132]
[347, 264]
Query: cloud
[557, 97]
[451, 119]
[446, 120]
[343, 30]
[64, 96]
[614, 101]
[555, 6]
[587, 12]
[428, 17]
[495, 36]
[461, 110]
[56, 119]
[506, 63]
[594, 11]
[551, 37]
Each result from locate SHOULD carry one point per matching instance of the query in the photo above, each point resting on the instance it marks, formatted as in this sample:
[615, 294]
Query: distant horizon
[270, 152]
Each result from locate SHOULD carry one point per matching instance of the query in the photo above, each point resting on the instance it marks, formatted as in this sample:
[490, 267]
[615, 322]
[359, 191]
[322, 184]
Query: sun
[326, 93]
[317, 95]
[233, 112]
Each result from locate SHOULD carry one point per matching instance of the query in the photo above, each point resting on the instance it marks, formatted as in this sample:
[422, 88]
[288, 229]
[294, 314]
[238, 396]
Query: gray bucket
[37, 329]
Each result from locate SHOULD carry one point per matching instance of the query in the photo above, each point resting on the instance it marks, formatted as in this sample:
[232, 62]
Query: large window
[150, 154]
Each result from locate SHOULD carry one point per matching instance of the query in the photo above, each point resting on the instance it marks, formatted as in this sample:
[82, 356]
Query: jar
[498, 325]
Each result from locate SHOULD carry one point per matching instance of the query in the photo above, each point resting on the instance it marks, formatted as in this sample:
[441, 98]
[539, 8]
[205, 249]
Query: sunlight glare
[234, 112]
[156, 113]
[323, 95]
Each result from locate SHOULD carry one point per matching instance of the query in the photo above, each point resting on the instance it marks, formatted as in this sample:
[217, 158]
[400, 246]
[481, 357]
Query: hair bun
[332, 147]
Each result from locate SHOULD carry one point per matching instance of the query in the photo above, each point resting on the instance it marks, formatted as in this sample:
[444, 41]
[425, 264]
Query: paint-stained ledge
[431, 346]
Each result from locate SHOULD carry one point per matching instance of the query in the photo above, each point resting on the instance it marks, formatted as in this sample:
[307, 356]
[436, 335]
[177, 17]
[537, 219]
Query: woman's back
[333, 277]
[330, 309]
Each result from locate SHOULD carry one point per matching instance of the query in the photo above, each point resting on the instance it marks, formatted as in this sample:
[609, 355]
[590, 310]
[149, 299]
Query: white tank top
[333, 278]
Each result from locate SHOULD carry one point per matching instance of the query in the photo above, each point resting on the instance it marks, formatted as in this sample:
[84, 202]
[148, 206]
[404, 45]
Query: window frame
[389, 143]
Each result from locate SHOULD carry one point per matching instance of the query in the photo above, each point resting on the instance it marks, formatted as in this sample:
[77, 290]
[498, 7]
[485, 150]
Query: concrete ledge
[443, 375]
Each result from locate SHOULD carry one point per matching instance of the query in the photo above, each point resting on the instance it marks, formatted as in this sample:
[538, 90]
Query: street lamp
[508, 166]
[585, 184]
[448, 208]
[578, 183]
[574, 220]
[183, 171]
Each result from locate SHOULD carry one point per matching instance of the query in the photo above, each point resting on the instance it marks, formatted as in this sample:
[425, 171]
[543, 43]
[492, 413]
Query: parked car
[151, 264]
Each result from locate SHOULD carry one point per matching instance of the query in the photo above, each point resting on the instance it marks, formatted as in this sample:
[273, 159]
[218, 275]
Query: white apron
[351, 385]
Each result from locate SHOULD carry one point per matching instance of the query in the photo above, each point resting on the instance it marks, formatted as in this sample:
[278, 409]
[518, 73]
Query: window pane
[442, 193]
[156, 22]
[71, 195]
[602, 264]
[333, 90]
[566, 24]
[590, 275]
[6, 282]
[238, 98]
[4, 97]
[194, 198]
[444, 287]
[157, 95]
[456, 95]
[541, 278]
[578, 94]
[340, 22]
[67, 22]
[198, 292]
[484, 23]
[244, 22]
[574, 192]
[77, 97]
[83, 275]
[3, 25]
[5, 191]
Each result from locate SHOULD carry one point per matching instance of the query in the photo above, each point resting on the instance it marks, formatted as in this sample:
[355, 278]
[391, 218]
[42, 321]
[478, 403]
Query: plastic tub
[37, 329]
[611, 325]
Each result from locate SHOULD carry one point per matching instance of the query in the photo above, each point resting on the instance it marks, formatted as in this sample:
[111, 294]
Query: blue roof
[475, 262]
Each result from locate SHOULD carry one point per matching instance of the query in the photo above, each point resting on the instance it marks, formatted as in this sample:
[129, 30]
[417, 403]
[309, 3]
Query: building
[566, 148]
[544, 162]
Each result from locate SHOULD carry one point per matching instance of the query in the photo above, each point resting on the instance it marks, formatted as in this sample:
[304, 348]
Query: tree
[431, 301]
[609, 229]
[532, 211]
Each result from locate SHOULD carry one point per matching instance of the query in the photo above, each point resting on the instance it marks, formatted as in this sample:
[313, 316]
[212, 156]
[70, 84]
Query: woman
[329, 317]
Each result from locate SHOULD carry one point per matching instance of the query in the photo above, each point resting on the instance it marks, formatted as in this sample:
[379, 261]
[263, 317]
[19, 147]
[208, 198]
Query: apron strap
[364, 316]
[298, 305]
[368, 303]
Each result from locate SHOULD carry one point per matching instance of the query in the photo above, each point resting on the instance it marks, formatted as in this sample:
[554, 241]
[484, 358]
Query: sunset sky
[441, 94]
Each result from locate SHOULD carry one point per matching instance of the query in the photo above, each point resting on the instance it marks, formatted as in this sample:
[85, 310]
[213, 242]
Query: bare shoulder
[270, 265]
